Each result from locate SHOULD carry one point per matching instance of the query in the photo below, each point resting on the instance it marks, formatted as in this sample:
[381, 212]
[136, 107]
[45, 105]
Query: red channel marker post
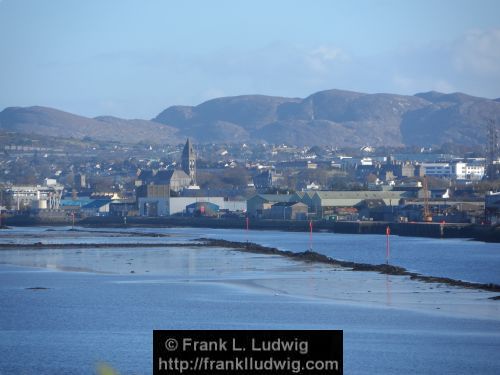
[388, 233]
[247, 222]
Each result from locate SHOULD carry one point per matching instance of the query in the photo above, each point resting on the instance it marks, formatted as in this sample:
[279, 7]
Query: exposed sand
[261, 273]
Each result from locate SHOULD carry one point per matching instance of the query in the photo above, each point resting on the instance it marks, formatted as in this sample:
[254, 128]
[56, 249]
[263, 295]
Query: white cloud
[320, 59]
[274, 69]
[478, 52]
[469, 64]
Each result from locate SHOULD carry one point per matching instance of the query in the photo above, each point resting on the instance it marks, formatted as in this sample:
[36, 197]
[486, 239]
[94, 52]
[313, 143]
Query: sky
[134, 58]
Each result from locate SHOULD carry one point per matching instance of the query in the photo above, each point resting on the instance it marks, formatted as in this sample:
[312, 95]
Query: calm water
[87, 317]
[456, 258]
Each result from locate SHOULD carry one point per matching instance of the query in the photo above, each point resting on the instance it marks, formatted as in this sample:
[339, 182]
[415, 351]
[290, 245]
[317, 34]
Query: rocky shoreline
[311, 256]
[250, 247]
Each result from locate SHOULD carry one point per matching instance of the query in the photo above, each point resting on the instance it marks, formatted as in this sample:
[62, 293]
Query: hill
[49, 121]
[332, 117]
[339, 118]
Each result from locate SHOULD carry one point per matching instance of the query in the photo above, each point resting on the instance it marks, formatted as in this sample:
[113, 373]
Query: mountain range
[332, 117]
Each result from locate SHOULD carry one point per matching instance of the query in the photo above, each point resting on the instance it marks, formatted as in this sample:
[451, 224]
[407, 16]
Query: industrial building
[39, 197]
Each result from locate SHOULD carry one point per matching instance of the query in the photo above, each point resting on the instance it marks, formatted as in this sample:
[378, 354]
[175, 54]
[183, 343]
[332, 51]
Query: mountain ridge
[330, 117]
[54, 122]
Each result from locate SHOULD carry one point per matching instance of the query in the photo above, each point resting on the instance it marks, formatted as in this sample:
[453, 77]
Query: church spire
[189, 161]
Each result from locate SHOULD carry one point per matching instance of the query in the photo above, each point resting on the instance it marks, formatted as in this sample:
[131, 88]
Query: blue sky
[134, 58]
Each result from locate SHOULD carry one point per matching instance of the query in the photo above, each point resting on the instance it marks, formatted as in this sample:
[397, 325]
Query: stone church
[177, 179]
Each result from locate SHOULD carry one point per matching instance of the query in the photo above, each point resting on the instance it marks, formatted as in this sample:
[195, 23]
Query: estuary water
[460, 259]
[63, 311]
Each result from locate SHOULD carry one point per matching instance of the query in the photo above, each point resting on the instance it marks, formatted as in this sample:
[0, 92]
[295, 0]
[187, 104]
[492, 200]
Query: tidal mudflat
[66, 309]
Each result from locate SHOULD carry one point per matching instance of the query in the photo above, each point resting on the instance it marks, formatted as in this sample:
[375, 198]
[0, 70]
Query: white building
[468, 171]
[457, 170]
[46, 197]
[366, 161]
[157, 206]
[436, 169]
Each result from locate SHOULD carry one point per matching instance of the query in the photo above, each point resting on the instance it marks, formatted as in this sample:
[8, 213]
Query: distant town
[75, 179]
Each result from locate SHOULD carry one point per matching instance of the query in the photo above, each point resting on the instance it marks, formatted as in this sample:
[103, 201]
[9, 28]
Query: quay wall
[436, 230]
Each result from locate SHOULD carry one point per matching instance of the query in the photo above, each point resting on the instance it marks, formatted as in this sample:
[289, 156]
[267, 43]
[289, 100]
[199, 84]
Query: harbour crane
[427, 216]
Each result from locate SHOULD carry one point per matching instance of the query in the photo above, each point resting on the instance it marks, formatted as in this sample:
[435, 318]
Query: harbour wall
[436, 230]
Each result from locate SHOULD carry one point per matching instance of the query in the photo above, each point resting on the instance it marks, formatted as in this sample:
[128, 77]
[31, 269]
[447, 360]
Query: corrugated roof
[364, 194]
[300, 194]
[97, 203]
[287, 204]
[352, 198]
[78, 202]
[276, 197]
[308, 193]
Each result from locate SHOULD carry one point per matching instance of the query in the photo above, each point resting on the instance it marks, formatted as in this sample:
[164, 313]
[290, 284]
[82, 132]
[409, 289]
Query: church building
[188, 161]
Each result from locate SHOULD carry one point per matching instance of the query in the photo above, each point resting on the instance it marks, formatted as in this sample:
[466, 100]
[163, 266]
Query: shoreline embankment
[312, 256]
[250, 247]
[413, 229]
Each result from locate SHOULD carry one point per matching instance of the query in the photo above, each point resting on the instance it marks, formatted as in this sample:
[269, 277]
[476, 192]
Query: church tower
[189, 161]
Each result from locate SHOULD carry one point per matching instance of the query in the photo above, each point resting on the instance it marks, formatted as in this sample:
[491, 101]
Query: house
[324, 202]
[469, 171]
[260, 205]
[289, 211]
[304, 197]
[267, 179]
[176, 179]
[144, 177]
[234, 199]
[459, 170]
[153, 200]
[153, 191]
[436, 169]
[492, 208]
[344, 214]
[153, 207]
[375, 209]
[123, 208]
[234, 204]
[394, 171]
[440, 193]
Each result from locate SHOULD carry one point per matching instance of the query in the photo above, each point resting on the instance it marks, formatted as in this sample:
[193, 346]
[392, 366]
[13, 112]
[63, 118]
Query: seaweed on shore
[127, 233]
[311, 256]
[307, 256]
